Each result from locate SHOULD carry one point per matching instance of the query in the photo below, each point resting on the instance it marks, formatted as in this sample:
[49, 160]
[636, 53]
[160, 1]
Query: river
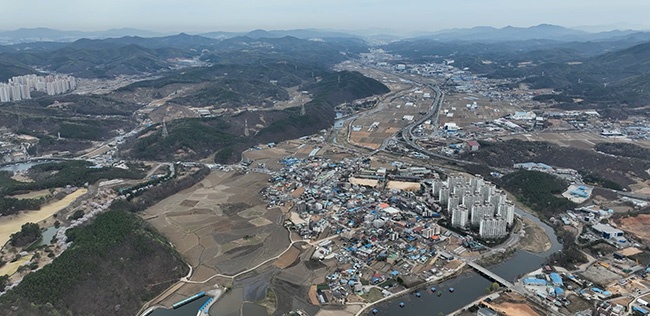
[22, 166]
[469, 286]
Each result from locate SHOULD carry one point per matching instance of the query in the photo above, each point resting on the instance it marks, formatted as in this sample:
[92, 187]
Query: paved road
[409, 138]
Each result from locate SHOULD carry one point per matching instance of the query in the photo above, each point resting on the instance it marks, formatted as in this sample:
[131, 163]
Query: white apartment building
[491, 228]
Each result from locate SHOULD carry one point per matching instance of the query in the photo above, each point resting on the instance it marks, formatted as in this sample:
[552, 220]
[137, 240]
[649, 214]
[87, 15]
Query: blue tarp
[534, 281]
[640, 310]
[556, 278]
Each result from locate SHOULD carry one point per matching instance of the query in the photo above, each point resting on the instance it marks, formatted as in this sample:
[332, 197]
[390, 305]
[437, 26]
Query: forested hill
[198, 138]
[82, 280]
[8, 70]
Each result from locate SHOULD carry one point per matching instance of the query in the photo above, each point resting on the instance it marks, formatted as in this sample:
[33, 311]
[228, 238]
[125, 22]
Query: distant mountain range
[131, 55]
[511, 33]
[379, 36]
[30, 35]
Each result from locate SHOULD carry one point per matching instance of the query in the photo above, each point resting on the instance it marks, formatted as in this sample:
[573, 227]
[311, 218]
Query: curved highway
[407, 132]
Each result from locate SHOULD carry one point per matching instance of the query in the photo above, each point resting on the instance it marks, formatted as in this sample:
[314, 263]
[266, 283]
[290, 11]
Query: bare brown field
[400, 185]
[221, 225]
[271, 156]
[390, 120]
[514, 309]
[577, 139]
[287, 258]
[638, 226]
[312, 296]
[512, 304]
[464, 117]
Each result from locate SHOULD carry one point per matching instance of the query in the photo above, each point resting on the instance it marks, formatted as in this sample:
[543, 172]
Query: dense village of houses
[386, 223]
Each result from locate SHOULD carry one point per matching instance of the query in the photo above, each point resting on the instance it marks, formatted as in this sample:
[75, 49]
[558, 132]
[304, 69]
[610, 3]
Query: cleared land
[364, 182]
[11, 267]
[464, 116]
[514, 309]
[288, 258]
[512, 304]
[600, 275]
[638, 226]
[405, 186]
[11, 224]
[390, 119]
[578, 139]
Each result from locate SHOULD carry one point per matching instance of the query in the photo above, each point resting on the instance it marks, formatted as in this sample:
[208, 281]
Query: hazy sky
[245, 15]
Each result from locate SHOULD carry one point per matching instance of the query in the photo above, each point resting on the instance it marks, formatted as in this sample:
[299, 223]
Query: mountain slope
[117, 258]
[511, 33]
[8, 70]
[96, 59]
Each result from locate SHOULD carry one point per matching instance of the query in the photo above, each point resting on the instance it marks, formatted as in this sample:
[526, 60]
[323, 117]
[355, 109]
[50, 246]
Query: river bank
[534, 238]
[469, 285]
[419, 288]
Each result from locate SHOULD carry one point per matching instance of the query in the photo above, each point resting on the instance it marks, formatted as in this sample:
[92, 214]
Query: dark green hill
[8, 70]
[188, 138]
[191, 139]
[614, 79]
[345, 86]
[114, 266]
[96, 59]
[624, 150]
[539, 191]
[619, 170]
[181, 41]
[235, 93]
[634, 60]
[246, 50]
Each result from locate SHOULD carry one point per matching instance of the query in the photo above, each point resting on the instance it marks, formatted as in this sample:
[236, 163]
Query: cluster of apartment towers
[20, 88]
[477, 203]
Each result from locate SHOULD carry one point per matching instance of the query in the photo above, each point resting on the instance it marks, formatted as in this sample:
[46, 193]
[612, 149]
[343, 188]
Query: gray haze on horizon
[400, 16]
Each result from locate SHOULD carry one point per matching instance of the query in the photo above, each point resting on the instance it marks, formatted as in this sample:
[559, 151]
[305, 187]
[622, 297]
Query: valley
[287, 175]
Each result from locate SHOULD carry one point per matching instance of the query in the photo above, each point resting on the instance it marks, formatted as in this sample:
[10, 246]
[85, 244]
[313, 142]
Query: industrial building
[607, 231]
[484, 311]
[556, 279]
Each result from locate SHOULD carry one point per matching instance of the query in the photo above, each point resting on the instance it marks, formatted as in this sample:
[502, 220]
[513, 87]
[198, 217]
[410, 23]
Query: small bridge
[490, 274]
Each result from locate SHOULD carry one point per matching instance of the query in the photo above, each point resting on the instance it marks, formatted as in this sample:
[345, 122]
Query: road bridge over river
[490, 274]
